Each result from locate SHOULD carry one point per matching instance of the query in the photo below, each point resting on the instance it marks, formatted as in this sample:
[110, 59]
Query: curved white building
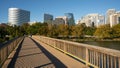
[18, 16]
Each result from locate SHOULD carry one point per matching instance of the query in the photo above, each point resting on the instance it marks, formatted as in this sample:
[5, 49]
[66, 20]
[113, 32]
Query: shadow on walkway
[12, 63]
[56, 62]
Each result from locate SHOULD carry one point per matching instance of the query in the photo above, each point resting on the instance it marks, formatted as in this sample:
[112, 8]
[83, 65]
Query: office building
[92, 20]
[108, 13]
[115, 19]
[70, 18]
[58, 21]
[64, 18]
[48, 18]
[100, 20]
[18, 16]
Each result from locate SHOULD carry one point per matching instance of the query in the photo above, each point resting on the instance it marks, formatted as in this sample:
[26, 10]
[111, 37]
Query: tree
[24, 27]
[103, 31]
[43, 29]
[116, 30]
[78, 30]
[90, 31]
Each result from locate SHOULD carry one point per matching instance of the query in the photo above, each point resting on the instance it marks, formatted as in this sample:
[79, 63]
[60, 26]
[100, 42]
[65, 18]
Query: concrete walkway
[65, 59]
[34, 54]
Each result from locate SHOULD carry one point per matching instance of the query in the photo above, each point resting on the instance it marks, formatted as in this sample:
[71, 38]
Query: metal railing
[7, 48]
[95, 56]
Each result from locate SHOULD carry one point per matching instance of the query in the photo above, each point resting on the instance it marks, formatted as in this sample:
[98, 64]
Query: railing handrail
[109, 51]
[95, 56]
[5, 43]
[7, 47]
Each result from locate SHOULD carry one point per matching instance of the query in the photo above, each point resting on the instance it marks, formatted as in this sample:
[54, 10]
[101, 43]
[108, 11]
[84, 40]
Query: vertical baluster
[81, 52]
[68, 48]
[0, 57]
[97, 59]
[73, 50]
[76, 50]
[87, 57]
[90, 56]
[3, 54]
[114, 62]
[94, 58]
[119, 61]
[108, 62]
[104, 60]
[65, 47]
[111, 60]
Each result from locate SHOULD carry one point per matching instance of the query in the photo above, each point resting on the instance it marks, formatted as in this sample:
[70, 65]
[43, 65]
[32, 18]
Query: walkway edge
[67, 60]
[6, 63]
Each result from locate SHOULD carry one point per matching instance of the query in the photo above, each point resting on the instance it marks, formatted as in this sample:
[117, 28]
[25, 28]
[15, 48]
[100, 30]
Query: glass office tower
[70, 18]
[18, 16]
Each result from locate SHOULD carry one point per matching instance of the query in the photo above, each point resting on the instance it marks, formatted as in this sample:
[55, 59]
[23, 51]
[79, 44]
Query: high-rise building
[64, 18]
[109, 12]
[58, 21]
[70, 17]
[100, 20]
[18, 16]
[93, 20]
[48, 18]
[115, 19]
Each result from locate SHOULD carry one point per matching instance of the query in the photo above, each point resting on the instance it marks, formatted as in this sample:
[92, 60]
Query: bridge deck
[33, 53]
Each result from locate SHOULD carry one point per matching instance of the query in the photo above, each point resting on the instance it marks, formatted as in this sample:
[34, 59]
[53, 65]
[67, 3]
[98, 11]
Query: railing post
[64, 47]
[0, 58]
[87, 57]
[115, 62]
[108, 61]
[119, 62]
[111, 60]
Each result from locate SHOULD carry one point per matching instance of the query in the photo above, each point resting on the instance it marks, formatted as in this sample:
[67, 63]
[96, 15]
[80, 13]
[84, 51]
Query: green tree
[52, 31]
[43, 29]
[116, 30]
[78, 30]
[24, 27]
[90, 31]
[103, 31]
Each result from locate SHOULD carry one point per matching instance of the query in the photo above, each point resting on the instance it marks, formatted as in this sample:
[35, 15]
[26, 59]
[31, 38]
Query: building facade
[63, 18]
[58, 21]
[92, 20]
[115, 19]
[70, 18]
[18, 16]
[108, 13]
[48, 18]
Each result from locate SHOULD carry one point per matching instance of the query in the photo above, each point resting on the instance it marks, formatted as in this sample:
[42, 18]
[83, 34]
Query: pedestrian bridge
[45, 52]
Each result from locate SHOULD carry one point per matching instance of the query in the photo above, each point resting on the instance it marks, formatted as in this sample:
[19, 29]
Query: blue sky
[58, 7]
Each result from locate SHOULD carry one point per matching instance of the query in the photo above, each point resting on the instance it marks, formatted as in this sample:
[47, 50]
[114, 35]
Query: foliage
[90, 31]
[103, 31]
[78, 30]
[116, 30]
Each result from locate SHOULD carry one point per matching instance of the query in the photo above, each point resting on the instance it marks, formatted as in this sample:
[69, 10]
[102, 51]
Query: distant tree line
[80, 30]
